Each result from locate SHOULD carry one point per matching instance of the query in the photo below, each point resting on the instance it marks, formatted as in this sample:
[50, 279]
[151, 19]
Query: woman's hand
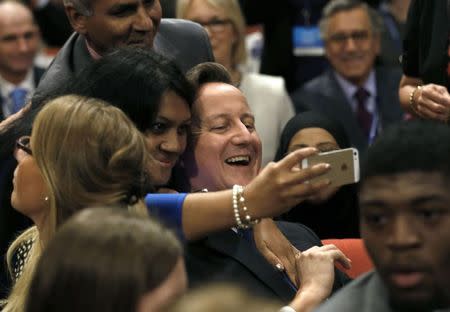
[282, 185]
[432, 101]
[315, 269]
[275, 247]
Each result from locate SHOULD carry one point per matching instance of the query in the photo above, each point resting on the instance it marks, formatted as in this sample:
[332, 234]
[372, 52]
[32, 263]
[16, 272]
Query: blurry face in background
[324, 142]
[170, 290]
[219, 28]
[405, 224]
[167, 136]
[227, 150]
[350, 45]
[19, 39]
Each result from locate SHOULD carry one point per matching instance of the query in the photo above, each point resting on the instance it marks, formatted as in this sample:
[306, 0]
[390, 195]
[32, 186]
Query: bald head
[19, 41]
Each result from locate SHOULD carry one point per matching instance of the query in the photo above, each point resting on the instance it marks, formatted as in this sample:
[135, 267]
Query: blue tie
[18, 96]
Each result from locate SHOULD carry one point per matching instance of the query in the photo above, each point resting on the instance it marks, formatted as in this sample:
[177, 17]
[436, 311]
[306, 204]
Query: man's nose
[22, 44]
[242, 135]
[350, 44]
[403, 234]
[143, 20]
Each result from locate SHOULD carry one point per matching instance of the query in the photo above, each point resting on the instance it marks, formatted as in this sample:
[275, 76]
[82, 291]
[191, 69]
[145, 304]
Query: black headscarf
[310, 120]
[337, 217]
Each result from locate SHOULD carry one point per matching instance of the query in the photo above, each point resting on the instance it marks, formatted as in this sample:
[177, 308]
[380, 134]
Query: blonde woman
[81, 152]
[266, 95]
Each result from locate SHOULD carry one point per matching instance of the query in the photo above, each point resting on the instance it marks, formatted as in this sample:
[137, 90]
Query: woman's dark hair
[133, 80]
[103, 259]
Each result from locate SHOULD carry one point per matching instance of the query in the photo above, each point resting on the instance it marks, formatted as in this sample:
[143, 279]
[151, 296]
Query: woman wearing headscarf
[333, 212]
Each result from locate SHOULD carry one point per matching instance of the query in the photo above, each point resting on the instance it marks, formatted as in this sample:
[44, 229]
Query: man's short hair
[410, 146]
[337, 6]
[208, 72]
[84, 7]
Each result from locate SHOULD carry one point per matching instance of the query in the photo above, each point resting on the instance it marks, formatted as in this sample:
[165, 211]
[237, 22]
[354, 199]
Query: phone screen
[344, 166]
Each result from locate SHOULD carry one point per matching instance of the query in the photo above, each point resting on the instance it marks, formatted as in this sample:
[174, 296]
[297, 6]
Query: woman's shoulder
[20, 257]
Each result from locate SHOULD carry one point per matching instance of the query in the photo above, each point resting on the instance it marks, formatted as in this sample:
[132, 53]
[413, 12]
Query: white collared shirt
[7, 87]
[350, 90]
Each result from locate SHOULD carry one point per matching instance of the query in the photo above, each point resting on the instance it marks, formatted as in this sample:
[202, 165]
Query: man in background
[19, 44]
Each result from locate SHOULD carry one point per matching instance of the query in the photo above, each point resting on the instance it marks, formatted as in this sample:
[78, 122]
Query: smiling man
[405, 223]
[225, 150]
[362, 97]
[19, 44]
[103, 25]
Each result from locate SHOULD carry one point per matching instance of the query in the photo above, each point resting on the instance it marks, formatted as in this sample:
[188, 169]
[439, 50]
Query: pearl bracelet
[239, 200]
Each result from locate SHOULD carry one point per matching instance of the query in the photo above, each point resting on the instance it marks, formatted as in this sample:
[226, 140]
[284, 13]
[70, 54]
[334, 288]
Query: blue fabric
[18, 96]
[168, 209]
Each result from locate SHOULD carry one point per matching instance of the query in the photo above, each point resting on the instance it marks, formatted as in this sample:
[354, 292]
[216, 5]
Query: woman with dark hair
[133, 264]
[332, 212]
[152, 92]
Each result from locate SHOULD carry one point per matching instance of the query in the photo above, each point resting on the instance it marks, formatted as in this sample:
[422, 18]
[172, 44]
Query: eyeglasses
[24, 144]
[215, 25]
[358, 37]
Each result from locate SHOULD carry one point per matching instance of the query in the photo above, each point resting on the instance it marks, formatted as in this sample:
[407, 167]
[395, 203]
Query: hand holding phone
[344, 166]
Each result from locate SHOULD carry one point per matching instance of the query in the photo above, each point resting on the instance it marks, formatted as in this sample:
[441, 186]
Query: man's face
[19, 39]
[227, 149]
[118, 23]
[405, 223]
[350, 44]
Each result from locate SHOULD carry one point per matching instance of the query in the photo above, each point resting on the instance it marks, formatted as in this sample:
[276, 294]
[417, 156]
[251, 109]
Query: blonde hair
[233, 11]
[89, 153]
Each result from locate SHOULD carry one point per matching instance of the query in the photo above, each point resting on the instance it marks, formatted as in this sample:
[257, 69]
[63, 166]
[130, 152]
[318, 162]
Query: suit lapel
[245, 253]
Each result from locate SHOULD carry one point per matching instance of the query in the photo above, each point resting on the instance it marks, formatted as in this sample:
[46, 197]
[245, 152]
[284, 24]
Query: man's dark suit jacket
[185, 42]
[227, 257]
[324, 95]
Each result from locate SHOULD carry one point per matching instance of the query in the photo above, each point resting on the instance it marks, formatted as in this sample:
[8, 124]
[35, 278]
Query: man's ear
[76, 19]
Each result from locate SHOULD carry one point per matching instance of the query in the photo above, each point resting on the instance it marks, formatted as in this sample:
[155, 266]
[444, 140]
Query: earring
[46, 198]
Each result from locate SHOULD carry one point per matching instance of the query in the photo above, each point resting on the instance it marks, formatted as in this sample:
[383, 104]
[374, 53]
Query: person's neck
[13, 77]
[399, 9]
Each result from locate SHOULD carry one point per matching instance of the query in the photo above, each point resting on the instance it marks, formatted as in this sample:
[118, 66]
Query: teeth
[238, 159]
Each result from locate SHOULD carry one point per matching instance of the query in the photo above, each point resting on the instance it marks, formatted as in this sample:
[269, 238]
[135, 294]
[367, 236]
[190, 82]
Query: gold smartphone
[344, 166]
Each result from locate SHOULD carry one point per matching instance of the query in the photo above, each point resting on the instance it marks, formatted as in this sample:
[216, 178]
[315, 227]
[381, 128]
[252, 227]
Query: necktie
[362, 114]
[18, 96]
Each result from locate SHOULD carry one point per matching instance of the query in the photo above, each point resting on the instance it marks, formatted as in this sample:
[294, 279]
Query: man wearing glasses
[354, 92]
